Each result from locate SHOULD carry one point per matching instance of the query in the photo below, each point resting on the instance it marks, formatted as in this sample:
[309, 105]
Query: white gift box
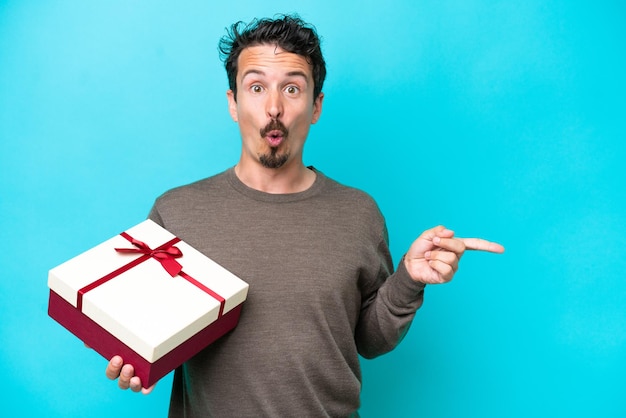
[119, 298]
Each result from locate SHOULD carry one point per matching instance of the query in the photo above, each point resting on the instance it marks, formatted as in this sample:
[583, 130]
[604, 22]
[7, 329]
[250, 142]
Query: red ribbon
[164, 254]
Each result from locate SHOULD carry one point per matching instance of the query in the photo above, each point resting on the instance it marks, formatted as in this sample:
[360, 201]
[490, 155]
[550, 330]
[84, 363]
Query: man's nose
[274, 105]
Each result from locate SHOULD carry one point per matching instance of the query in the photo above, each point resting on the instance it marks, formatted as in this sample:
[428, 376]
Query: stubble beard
[274, 158]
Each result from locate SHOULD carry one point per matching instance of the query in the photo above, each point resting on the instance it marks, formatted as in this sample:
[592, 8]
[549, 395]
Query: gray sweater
[321, 292]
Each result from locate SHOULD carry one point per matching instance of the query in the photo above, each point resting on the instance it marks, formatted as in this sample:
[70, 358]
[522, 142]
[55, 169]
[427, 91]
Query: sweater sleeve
[388, 308]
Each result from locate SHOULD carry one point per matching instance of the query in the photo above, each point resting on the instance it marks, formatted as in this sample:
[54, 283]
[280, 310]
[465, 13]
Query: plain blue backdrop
[499, 119]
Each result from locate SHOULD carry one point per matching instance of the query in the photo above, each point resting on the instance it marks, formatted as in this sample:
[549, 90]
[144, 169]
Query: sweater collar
[239, 186]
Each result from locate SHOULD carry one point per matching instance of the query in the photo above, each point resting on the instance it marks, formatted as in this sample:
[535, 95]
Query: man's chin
[273, 161]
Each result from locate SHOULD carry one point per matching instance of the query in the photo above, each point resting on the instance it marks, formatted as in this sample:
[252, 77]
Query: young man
[315, 253]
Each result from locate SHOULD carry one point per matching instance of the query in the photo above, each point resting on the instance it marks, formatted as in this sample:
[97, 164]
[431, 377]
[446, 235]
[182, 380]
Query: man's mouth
[274, 138]
[274, 133]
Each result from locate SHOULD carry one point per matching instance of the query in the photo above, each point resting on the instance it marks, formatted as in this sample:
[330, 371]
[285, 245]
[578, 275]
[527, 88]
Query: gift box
[147, 296]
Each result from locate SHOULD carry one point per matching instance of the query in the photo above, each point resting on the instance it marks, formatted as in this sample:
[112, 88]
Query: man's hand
[434, 257]
[125, 373]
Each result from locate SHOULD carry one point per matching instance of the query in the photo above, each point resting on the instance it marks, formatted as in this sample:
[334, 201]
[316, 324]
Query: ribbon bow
[165, 255]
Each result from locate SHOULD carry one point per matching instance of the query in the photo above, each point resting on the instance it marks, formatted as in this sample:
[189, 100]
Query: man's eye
[292, 89]
[256, 88]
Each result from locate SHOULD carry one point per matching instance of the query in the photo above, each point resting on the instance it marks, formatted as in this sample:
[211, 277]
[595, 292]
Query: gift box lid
[144, 306]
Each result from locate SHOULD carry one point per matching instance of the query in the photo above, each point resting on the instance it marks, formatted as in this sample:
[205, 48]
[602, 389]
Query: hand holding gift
[146, 297]
[125, 373]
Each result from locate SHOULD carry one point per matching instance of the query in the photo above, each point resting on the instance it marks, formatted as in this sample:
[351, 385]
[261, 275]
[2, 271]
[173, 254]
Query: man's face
[274, 105]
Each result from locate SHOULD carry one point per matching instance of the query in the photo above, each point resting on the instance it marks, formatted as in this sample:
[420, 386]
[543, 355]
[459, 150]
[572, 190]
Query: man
[314, 252]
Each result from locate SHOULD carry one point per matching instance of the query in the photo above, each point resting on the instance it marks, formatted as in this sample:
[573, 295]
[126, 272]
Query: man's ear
[232, 105]
[317, 108]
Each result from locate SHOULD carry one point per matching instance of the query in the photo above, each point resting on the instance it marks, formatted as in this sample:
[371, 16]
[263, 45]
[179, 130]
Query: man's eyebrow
[252, 71]
[297, 73]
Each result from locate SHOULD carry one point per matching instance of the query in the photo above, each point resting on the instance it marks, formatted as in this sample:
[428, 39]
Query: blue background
[499, 119]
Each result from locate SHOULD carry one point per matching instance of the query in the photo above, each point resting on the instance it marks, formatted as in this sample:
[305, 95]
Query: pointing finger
[482, 245]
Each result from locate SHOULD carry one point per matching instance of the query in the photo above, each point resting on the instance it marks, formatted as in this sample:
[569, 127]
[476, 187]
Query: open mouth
[274, 137]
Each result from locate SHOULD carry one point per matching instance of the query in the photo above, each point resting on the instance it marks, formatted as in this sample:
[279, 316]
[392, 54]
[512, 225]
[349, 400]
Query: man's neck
[283, 180]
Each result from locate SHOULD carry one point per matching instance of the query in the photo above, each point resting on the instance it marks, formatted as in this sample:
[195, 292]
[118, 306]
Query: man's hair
[288, 32]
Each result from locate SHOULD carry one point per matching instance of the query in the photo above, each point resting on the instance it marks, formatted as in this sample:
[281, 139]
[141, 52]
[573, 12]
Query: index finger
[114, 367]
[482, 245]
